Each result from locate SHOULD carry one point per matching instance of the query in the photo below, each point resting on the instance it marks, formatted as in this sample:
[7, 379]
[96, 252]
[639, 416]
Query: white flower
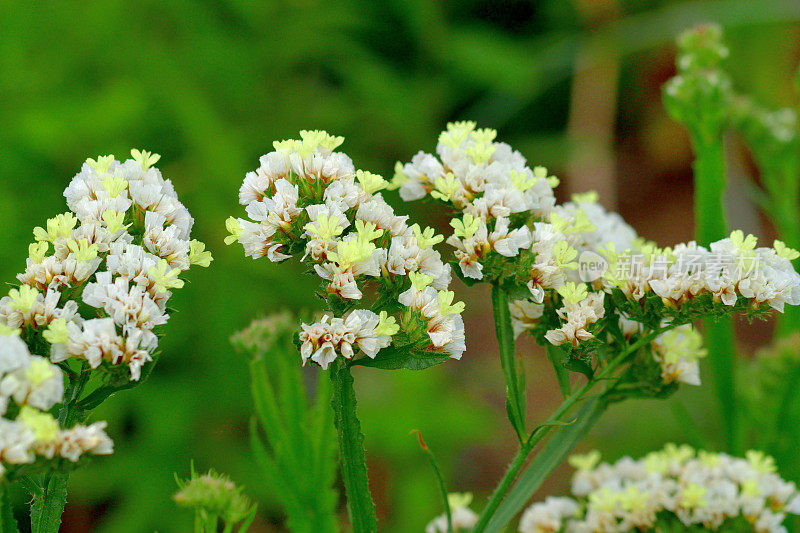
[165, 241]
[524, 315]
[684, 488]
[509, 243]
[579, 316]
[13, 353]
[72, 443]
[16, 441]
[37, 383]
[678, 352]
[422, 171]
[353, 241]
[130, 306]
[377, 211]
[323, 341]
[547, 516]
[446, 330]
[97, 340]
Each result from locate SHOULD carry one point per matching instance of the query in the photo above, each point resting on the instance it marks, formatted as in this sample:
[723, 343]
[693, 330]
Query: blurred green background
[573, 84]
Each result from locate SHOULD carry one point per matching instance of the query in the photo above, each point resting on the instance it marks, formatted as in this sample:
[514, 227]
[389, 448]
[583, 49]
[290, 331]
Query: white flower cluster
[305, 199]
[463, 518]
[509, 211]
[126, 218]
[728, 270]
[324, 340]
[30, 386]
[510, 227]
[566, 252]
[581, 309]
[490, 183]
[667, 490]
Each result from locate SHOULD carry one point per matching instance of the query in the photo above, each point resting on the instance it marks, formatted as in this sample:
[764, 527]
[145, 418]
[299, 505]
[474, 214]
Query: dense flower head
[496, 195]
[579, 277]
[505, 233]
[308, 201]
[30, 387]
[670, 489]
[118, 253]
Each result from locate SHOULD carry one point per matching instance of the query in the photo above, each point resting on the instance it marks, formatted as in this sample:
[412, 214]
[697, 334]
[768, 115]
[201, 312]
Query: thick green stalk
[556, 419]
[786, 214]
[710, 225]
[351, 451]
[515, 395]
[709, 189]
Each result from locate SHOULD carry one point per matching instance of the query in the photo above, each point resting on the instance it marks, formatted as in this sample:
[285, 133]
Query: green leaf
[351, 452]
[269, 414]
[46, 511]
[397, 358]
[556, 450]
[515, 395]
[579, 365]
[556, 358]
[277, 476]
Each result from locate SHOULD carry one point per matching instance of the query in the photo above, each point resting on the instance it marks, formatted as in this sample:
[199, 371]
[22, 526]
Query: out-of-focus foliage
[771, 404]
[209, 83]
[293, 439]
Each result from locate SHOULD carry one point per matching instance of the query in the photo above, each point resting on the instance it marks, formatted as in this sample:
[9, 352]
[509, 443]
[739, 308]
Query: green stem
[709, 187]
[711, 225]
[539, 433]
[351, 451]
[515, 395]
[786, 212]
[46, 510]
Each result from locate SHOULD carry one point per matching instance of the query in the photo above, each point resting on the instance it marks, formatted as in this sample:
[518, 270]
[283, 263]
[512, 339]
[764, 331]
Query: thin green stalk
[539, 433]
[439, 479]
[351, 451]
[711, 225]
[515, 395]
